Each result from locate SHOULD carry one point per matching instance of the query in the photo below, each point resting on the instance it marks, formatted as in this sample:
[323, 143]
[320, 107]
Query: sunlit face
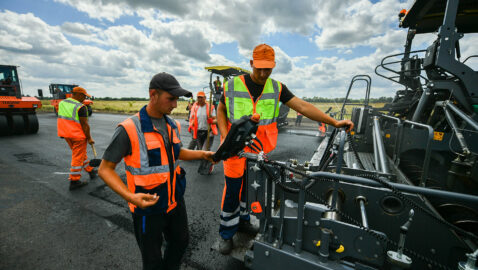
[260, 75]
[163, 102]
[201, 101]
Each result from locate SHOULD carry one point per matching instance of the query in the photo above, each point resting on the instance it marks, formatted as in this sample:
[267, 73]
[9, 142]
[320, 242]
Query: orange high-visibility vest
[68, 122]
[193, 120]
[147, 168]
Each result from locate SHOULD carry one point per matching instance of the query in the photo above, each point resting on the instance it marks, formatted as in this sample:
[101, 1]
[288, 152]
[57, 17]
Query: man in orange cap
[245, 95]
[73, 126]
[202, 118]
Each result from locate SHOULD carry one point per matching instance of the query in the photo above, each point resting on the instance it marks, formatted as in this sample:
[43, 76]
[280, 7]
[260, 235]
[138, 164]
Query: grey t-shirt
[202, 117]
[120, 145]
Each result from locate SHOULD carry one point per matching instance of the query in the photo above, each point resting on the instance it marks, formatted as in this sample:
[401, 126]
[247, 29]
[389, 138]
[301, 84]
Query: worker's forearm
[111, 178]
[222, 119]
[311, 112]
[186, 154]
[86, 130]
[319, 116]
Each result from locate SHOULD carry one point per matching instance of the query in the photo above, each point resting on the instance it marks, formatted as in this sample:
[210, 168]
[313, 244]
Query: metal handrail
[361, 77]
[396, 155]
[426, 162]
[383, 65]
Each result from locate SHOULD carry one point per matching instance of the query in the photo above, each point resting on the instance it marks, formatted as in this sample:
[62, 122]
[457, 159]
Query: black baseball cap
[168, 83]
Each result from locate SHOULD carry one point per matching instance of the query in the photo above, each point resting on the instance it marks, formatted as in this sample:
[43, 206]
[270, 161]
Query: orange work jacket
[150, 168]
[193, 120]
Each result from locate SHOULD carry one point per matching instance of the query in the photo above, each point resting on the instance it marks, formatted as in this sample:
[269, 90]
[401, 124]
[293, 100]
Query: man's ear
[151, 93]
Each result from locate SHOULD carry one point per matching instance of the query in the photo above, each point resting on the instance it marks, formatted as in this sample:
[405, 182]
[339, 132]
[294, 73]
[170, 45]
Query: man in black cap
[150, 145]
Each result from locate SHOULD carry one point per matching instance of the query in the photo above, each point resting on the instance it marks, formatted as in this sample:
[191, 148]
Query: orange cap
[80, 90]
[201, 94]
[263, 56]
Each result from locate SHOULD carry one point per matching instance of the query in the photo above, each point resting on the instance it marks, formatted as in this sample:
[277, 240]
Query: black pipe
[461, 114]
[402, 187]
[459, 135]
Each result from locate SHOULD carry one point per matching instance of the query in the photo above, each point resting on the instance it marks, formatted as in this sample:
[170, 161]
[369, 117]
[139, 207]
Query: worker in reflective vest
[151, 147]
[217, 85]
[202, 118]
[245, 95]
[72, 125]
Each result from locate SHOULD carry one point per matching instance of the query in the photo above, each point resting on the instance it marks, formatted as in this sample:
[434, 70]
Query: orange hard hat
[263, 56]
[80, 90]
[201, 94]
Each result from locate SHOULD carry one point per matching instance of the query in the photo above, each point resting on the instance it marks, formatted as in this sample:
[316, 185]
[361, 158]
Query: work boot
[247, 227]
[77, 184]
[93, 174]
[225, 246]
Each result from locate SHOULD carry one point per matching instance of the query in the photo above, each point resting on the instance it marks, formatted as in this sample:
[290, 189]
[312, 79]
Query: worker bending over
[73, 126]
[151, 147]
[245, 95]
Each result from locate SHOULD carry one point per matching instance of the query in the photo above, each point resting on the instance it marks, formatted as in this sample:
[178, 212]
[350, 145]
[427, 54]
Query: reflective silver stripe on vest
[143, 155]
[276, 97]
[230, 95]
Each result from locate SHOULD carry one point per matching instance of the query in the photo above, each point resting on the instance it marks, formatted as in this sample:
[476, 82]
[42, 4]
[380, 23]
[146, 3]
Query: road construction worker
[245, 95]
[189, 106]
[298, 120]
[203, 116]
[150, 144]
[73, 126]
[218, 85]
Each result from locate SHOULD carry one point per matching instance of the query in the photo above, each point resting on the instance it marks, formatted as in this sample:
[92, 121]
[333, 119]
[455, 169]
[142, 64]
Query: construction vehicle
[401, 191]
[17, 112]
[63, 91]
[228, 72]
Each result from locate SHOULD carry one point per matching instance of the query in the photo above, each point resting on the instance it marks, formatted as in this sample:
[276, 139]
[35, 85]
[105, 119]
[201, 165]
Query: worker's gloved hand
[189, 129]
[91, 141]
[210, 121]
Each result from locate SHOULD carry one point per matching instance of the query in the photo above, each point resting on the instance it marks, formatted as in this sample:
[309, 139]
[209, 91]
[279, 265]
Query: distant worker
[298, 120]
[322, 129]
[203, 116]
[73, 126]
[245, 95]
[150, 145]
[189, 106]
[218, 85]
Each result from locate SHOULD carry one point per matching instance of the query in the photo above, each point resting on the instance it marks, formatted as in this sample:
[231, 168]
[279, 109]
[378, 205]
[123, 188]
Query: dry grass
[118, 106]
[130, 107]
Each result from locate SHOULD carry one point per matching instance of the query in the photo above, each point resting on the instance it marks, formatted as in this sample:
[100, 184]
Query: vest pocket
[160, 207]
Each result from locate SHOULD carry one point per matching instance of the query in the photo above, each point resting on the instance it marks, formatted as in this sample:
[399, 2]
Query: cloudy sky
[114, 47]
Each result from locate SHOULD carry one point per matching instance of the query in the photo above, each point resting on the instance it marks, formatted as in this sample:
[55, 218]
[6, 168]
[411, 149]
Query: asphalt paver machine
[401, 191]
[17, 112]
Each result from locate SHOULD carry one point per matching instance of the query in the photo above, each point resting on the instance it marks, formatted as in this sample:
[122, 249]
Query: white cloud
[349, 23]
[178, 36]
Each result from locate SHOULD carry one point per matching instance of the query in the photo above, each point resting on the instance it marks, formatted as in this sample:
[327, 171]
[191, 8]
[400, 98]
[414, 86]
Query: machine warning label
[438, 136]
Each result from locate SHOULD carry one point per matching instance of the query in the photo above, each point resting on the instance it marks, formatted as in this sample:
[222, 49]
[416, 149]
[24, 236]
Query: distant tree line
[342, 99]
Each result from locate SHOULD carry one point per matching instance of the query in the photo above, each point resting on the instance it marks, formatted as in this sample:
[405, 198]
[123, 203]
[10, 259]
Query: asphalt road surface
[45, 226]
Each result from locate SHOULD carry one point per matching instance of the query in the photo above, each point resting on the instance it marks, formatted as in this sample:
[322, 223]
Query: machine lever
[397, 258]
